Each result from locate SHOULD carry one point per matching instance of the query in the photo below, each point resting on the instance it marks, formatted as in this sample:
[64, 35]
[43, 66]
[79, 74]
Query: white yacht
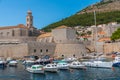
[98, 64]
[13, 63]
[36, 69]
[116, 62]
[77, 65]
[62, 65]
[51, 67]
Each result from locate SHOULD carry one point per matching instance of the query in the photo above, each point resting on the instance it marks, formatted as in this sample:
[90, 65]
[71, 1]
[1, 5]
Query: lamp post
[95, 30]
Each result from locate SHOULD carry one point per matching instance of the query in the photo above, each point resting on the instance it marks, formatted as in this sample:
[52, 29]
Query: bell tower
[29, 19]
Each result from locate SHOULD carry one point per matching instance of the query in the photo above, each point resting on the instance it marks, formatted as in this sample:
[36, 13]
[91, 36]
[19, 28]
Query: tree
[116, 35]
[89, 32]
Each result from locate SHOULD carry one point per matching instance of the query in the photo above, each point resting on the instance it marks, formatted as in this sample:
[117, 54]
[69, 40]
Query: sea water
[19, 73]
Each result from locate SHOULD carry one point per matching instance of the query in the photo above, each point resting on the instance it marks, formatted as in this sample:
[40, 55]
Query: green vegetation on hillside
[86, 19]
[116, 35]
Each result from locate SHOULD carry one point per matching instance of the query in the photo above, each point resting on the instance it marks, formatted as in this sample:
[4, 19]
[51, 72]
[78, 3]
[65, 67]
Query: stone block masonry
[14, 50]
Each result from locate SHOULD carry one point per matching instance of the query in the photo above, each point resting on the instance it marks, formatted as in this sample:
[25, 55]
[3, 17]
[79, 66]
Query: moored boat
[13, 63]
[98, 64]
[3, 64]
[69, 59]
[35, 69]
[62, 65]
[28, 63]
[51, 67]
[116, 62]
[77, 65]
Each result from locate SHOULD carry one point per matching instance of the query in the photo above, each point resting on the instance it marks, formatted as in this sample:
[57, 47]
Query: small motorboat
[51, 67]
[116, 62]
[62, 65]
[98, 64]
[35, 69]
[77, 65]
[13, 63]
[28, 63]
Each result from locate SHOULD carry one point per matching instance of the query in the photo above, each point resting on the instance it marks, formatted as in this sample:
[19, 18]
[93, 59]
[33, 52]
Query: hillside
[106, 11]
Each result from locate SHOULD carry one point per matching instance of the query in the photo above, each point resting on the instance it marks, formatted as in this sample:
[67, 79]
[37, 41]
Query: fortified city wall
[13, 50]
[68, 50]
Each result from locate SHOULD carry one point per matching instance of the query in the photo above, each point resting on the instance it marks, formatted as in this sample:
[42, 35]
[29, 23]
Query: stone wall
[63, 34]
[41, 48]
[110, 47]
[68, 50]
[16, 40]
[13, 50]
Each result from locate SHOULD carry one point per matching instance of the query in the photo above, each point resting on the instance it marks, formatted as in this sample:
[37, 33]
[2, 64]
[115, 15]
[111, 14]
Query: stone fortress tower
[65, 42]
[29, 24]
[29, 20]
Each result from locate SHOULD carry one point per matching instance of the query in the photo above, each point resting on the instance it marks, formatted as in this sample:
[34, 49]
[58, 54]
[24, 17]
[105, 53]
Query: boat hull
[116, 64]
[2, 65]
[35, 71]
[77, 67]
[98, 65]
[63, 68]
[51, 69]
[13, 65]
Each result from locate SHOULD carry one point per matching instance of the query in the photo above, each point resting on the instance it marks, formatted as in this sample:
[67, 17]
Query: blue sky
[13, 12]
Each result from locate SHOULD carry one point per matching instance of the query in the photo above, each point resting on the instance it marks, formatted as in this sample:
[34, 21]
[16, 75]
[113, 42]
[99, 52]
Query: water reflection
[37, 77]
[19, 73]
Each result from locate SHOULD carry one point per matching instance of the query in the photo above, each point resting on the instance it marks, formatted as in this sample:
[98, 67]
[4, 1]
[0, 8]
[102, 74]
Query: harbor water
[19, 73]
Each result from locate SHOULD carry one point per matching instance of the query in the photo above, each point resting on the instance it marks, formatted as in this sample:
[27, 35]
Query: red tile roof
[11, 27]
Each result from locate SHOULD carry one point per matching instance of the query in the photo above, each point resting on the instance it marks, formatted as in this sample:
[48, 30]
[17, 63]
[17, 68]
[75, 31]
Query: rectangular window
[34, 50]
[41, 50]
[46, 50]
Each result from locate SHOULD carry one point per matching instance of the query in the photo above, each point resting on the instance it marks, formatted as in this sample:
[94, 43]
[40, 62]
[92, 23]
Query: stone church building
[23, 40]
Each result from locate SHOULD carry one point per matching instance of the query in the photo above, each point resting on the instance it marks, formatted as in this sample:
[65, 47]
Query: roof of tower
[11, 27]
[29, 11]
[45, 35]
[61, 27]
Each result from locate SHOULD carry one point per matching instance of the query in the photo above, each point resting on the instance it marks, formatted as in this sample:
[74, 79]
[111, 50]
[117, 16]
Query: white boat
[28, 61]
[98, 64]
[36, 69]
[116, 62]
[62, 65]
[77, 65]
[69, 59]
[51, 68]
[13, 63]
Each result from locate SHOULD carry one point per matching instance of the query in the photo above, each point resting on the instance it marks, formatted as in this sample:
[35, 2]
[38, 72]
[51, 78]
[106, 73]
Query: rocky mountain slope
[103, 6]
[106, 11]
